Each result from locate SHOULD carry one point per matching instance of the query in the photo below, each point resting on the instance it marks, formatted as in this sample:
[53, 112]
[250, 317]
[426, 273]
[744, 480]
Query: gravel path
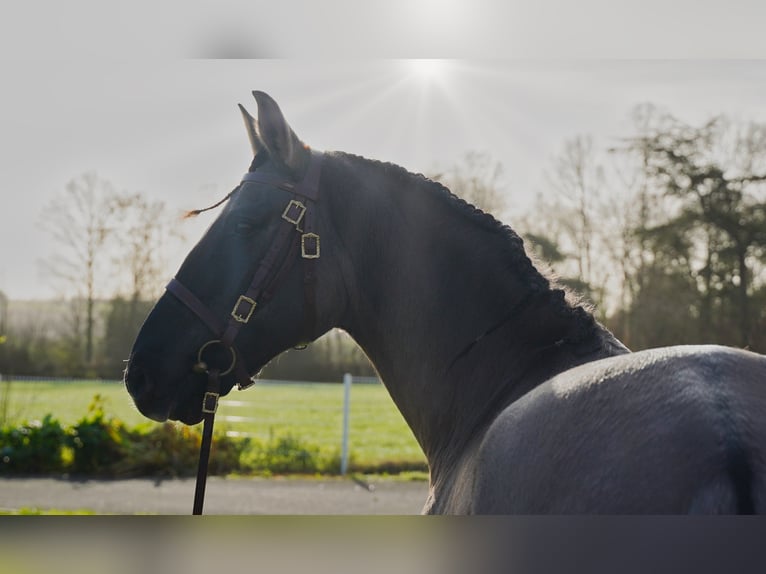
[222, 496]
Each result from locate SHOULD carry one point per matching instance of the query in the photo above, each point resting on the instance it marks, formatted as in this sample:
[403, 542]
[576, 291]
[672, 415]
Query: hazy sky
[171, 129]
[120, 101]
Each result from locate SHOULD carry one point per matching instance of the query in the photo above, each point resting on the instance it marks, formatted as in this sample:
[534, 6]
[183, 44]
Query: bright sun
[428, 69]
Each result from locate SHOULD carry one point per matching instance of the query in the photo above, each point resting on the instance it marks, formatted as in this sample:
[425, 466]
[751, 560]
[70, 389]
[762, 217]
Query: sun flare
[428, 69]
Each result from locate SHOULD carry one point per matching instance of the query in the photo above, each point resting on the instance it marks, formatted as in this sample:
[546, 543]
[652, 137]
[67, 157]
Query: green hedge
[98, 445]
[33, 447]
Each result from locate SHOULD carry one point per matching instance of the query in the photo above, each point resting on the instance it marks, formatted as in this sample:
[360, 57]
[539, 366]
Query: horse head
[251, 288]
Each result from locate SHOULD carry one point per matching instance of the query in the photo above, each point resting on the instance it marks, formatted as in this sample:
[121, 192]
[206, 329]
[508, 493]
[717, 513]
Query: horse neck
[452, 316]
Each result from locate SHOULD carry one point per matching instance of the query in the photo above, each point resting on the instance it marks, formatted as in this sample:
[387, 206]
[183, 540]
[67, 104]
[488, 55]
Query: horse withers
[521, 401]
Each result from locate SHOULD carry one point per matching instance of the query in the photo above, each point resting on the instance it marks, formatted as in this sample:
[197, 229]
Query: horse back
[671, 430]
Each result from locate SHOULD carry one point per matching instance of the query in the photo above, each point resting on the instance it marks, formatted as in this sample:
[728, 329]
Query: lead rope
[209, 406]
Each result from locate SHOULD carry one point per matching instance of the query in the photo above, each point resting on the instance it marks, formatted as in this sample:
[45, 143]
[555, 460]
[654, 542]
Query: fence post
[346, 408]
[5, 398]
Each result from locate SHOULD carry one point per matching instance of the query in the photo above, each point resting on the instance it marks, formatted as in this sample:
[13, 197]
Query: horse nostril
[136, 381]
[144, 391]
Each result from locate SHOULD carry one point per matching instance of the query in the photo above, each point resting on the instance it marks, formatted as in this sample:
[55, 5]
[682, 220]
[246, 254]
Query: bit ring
[202, 365]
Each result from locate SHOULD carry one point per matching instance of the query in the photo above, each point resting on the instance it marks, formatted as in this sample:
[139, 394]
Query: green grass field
[310, 412]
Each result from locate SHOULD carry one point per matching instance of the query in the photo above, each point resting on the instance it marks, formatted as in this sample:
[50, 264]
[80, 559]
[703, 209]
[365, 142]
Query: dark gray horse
[521, 401]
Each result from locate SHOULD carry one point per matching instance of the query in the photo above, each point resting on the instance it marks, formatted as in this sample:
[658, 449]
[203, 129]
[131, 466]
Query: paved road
[223, 496]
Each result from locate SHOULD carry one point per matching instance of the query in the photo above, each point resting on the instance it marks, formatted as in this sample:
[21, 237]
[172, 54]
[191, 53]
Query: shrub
[172, 450]
[286, 454]
[33, 447]
[97, 443]
[167, 449]
[226, 453]
[103, 446]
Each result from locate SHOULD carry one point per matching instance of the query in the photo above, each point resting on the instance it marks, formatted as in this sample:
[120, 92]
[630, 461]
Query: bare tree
[635, 205]
[577, 180]
[572, 216]
[144, 229]
[478, 180]
[82, 220]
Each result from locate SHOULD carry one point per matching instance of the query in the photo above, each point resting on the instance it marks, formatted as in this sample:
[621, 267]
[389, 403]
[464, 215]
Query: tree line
[662, 231]
[110, 264]
[108, 258]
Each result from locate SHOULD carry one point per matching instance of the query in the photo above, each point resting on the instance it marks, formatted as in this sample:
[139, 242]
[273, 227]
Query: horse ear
[278, 137]
[251, 125]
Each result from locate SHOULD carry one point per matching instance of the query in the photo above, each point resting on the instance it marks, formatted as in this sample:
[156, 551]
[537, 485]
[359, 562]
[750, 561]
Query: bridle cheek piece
[298, 215]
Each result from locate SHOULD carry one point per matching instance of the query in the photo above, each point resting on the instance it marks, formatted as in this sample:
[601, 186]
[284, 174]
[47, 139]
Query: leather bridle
[296, 235]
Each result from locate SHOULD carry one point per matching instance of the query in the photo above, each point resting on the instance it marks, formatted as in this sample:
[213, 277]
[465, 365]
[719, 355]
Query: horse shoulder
[512, 450]
[576, 441]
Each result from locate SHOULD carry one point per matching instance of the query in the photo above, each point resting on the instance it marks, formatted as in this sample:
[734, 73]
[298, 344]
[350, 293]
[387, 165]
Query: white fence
[348, 381]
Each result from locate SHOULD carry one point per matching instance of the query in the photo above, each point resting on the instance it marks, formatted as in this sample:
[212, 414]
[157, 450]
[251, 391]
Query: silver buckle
[291, 217]
[306, 241]
[243, 317]
[210, 403]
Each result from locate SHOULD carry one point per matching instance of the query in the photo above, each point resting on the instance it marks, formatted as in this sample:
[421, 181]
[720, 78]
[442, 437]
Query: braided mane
[516, 253]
